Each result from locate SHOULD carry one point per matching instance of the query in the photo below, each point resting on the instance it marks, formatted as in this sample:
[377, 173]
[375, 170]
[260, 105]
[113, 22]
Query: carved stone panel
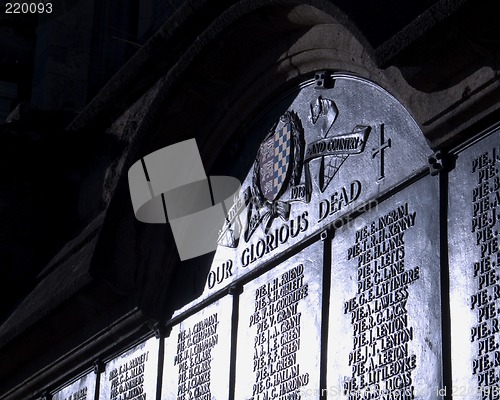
[327, 154]
[278, 346]
[474, 253]
[197, 353]
[81, 389]
[132, 375]
[385, 317]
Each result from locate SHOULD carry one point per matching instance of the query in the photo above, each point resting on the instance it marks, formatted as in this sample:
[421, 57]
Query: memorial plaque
[278, 346]
[322, 154]
[132, 375]
[197, 354]
[385, 308]
[474, 213]
[81, 389]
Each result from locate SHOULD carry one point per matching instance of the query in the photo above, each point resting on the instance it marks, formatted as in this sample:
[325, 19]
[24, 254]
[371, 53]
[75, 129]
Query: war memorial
[359, 257]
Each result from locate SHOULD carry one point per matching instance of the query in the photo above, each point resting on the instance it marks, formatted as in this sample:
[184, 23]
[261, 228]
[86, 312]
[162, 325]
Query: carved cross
[381, 149]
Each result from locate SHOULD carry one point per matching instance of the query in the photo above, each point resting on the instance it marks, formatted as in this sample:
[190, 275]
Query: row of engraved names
[277, 338]
[194, 358]
[378, 312]
[485, 202]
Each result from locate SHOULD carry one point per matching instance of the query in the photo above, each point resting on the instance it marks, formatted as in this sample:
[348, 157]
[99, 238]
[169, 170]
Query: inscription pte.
[381, 360]
[484, 301]
[279, 330]
[197, 355]
[277, 340]
[194, 358]
[127, 380]
[131, 375]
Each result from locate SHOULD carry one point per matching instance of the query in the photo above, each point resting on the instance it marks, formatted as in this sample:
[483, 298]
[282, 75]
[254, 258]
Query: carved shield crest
[275, 162]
